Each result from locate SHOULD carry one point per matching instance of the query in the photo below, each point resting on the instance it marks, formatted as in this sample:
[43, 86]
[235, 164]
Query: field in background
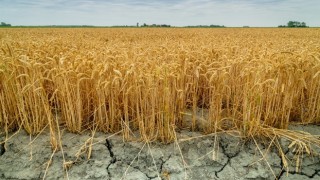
[156, 81]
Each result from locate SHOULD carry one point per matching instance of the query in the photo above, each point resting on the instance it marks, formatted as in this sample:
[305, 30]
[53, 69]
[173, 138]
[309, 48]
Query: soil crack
[228, 161]
[113, 158]
[109, 146]
[2, 149]
[315, 173]
[163, 161]
[146, 174]
[301, 173]
[222, 168]
[161, 165]
[283, 171]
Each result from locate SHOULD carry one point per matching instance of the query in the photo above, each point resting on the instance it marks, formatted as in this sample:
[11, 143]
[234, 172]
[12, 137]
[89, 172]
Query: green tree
[296, 24]
[5, 24]
[290, 23]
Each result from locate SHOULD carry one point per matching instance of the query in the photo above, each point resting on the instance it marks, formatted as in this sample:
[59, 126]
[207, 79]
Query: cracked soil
[192, 156]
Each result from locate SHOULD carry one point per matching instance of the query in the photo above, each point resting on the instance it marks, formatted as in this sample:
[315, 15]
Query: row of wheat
[154, 81]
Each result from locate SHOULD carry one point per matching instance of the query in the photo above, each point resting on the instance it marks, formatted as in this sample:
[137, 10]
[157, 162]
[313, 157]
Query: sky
[231, 13]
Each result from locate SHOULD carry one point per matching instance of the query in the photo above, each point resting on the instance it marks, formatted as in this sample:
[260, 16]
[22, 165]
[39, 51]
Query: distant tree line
[294, 24]
[3, 24]
[206, 26]
[154, 25]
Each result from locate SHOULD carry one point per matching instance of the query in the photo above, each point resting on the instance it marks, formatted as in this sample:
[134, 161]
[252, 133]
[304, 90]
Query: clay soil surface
[192, 156]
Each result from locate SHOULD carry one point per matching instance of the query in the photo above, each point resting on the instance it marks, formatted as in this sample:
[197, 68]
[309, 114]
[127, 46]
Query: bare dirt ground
[192, 156]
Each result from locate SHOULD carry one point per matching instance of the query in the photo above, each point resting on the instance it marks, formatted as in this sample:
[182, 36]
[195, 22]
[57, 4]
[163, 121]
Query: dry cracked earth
[193, 156]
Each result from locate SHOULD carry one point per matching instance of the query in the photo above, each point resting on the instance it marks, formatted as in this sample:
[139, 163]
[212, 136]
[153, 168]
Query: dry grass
[147, 80]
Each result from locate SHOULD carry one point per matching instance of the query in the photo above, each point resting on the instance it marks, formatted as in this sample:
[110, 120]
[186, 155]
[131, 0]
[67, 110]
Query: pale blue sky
[174, 12]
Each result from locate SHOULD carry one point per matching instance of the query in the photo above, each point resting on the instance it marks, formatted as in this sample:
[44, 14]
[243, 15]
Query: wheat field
[155, 81]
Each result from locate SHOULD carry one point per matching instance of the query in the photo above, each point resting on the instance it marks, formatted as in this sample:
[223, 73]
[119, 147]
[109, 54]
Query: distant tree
[165, 25]
[155, 25]
[290, 24]
[293, 24]
[206, 26]
[214, 25]
[5, 24]
[298, 24]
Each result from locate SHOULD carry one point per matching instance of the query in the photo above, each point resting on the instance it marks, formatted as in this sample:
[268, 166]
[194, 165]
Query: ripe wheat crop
[155, 81]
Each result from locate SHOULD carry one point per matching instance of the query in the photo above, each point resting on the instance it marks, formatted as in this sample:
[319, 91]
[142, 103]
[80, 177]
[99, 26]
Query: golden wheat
[157, 80]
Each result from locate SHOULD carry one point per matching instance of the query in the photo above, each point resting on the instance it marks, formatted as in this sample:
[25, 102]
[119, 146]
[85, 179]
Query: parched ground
[193, 156]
